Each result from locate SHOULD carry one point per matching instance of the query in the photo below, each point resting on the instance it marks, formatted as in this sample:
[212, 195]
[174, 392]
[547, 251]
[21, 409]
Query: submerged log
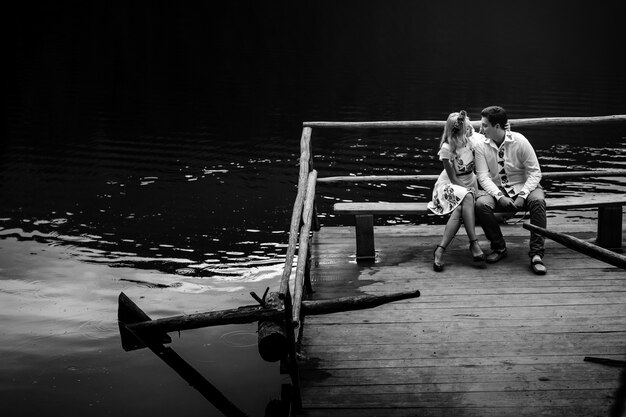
[581, 246]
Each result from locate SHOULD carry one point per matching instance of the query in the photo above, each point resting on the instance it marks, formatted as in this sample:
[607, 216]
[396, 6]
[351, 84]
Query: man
[508, 171]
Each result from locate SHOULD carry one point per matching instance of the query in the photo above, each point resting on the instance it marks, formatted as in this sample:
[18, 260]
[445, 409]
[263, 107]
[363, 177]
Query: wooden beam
[314, 308]
[565, 203]
[240, 315]
[433, 177]
[438, 124]
[581, 246]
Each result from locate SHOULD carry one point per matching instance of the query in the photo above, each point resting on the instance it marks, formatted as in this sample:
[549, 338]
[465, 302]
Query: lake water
[154, 151]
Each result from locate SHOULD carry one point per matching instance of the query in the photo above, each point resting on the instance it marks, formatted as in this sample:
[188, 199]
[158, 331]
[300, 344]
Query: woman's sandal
[477, 258]
[438, 267]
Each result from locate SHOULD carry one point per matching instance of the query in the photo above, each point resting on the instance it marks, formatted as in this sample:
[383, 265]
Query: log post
[307, 273]
[298, 206]
[364, 230]
[303, 246]
[610, 227]
[296, 395]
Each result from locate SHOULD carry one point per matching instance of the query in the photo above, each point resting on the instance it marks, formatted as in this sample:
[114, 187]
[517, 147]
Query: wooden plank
[493, 383]
[422, 333]
[463, 374]
[335, 398]
[395, 411]
[393, 313]
[380, 208]
[387, 208]
[330, 365]
[587, 201]
[470, 348]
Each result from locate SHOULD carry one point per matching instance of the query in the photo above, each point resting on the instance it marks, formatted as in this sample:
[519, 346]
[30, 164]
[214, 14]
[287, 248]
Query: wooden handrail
[433, 177]
[581, 246]
[526, 122]
[303, 247]
[296, 216]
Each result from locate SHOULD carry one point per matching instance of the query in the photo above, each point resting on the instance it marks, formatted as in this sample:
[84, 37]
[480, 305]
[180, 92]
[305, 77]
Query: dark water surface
[154, 151]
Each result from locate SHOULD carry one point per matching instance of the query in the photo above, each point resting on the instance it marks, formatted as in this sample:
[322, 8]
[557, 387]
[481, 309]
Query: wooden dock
[481, 340]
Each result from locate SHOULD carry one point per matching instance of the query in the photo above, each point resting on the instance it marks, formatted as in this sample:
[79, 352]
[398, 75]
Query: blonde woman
[455, 189]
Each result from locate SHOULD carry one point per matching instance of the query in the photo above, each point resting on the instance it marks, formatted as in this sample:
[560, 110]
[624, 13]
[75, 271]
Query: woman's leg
[452, 227]
[469, 221]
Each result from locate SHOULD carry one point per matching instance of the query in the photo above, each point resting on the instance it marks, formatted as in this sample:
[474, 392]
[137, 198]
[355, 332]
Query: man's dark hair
[495, 115]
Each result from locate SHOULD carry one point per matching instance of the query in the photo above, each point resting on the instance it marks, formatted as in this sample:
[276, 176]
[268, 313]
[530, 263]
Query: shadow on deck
[481, 340]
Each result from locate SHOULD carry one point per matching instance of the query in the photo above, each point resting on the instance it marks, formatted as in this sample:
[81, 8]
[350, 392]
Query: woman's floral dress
[448, 196]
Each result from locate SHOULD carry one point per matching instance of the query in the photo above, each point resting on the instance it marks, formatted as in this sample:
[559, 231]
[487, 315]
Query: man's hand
[519, 203]
[508, 204]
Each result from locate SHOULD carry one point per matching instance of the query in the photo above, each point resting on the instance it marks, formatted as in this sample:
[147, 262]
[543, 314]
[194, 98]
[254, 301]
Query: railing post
[296, 395]
[610, 227]
[364, 230]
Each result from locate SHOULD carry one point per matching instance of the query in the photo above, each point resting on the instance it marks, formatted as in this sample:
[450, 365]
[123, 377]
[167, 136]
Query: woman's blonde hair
[455, 131]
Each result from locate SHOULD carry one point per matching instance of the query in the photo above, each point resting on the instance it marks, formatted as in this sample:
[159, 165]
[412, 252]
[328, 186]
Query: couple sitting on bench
[508, 172]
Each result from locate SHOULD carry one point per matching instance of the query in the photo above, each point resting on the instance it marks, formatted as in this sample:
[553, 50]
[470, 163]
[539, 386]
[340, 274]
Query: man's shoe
[496, 255]
[536, 264]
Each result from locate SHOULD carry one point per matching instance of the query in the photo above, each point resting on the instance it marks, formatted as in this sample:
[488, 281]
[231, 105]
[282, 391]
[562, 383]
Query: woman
[455, 189]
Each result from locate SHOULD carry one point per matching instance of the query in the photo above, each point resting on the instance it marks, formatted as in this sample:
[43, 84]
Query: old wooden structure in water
[481, 340]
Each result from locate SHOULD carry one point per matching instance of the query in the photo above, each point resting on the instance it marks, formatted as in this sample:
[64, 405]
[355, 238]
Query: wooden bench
[609, 218]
